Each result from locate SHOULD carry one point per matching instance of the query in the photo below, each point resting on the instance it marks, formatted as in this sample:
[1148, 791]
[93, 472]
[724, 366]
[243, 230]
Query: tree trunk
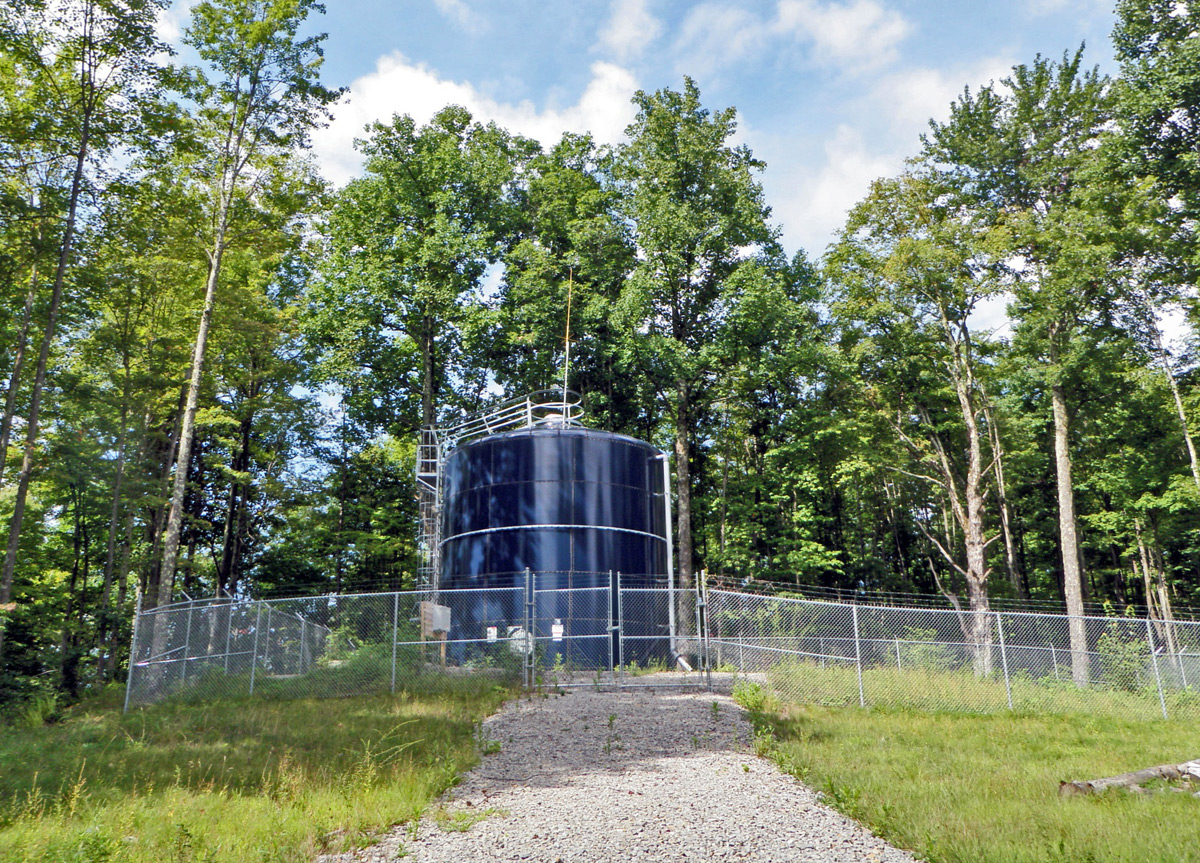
[683, 501]
[14, 380]
[106, 615]
[232, 535]
[1010, 549]
[156, 522]
[428, 389]
[187, 430]
[1164, 596]
[973, 531]
[1133, 781]
[1069, 542]
[1165, 362]
[39, 378]
[109, 652]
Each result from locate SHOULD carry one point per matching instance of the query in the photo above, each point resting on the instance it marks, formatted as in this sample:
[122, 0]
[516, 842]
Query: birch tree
[912, 269]
[91, 65]
[1018, 155]
[256, 102]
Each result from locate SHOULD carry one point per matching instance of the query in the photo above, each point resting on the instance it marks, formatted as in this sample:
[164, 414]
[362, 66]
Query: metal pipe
[395, 623]
[228, 631]
[187, 642]
[1154, 661]
[669, 536]
[612, 629]
[862, 701]
[254, 650]
[620, 631]
[1004, 659]
[137, 614]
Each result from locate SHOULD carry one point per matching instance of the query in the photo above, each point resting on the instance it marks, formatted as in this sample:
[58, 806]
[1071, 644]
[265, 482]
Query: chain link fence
[617, 636]
[337, 645]
[842, 654]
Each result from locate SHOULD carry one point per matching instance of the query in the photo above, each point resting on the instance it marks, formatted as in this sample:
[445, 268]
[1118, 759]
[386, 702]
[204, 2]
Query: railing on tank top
[542, 408]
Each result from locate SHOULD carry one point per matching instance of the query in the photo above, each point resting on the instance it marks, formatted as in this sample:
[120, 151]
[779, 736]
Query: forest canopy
[215, 363]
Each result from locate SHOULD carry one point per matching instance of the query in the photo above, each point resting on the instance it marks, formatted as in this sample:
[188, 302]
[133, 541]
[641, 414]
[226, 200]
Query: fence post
[267, 633]
[137, 616]
[862, 701]
[228, 632]
[1054, 659]
[899, 667]
[530, 645]
[620, 633]
[395, 623]
[1154, 661]
[702, 623]
[254, 650]
[1004, 659]
[187, 641]
[612, 629]
[705, 634]
[669, 532]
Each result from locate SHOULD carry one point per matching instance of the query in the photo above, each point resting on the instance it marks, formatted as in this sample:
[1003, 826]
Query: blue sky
[830, 93]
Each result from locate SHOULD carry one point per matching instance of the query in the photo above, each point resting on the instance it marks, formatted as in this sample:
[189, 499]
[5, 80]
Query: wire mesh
[976, 660]
[360, 644]
[616, 635]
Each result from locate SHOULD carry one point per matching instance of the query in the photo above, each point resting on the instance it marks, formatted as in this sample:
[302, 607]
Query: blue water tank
[571, 504]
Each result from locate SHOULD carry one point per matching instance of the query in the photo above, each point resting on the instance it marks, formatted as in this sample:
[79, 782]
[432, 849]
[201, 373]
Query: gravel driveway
[632, 775]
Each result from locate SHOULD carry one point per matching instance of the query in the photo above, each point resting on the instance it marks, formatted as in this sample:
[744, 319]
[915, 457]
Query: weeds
[958, 787]
[485, 744]
[462, 820]
[233, 780]
[41, 709]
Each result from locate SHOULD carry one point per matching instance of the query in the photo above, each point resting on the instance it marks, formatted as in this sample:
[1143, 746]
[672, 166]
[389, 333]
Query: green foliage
[230, 780]
[753, 697]
[1124, 658]
[954, 787]
[832, 412]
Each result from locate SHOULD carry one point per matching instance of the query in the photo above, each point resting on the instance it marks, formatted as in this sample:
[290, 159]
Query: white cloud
[630, 30]
[1040, 8]
[990, 315]
[861, 33]
[398, 86]
[715, 35]
[910, 98]
[856, 36]
[459, 13]
[169, 23]
[811, 204]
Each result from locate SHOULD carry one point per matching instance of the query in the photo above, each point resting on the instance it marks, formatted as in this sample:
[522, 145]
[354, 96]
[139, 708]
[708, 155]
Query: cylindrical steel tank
[570, 504]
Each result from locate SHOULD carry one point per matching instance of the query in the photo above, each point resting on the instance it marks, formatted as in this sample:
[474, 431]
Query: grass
[970, 788]
[933, 689]
[462, 820]
[234, 780]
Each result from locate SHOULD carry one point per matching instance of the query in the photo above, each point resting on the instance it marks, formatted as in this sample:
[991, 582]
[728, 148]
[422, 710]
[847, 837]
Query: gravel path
[649, 775]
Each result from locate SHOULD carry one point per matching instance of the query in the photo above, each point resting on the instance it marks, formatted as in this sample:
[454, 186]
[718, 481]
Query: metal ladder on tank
[429, 506]
[545, 406]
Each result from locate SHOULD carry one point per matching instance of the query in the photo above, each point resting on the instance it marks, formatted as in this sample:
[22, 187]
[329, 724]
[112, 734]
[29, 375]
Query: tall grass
[234, 780]
[970, 788]
[935, 689]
